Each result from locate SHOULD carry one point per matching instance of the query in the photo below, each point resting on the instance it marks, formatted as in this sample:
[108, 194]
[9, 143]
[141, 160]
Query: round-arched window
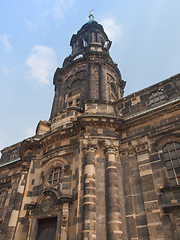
[55, 176]
[171, 156]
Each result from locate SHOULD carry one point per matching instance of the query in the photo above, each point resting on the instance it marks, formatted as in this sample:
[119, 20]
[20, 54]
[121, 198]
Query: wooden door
[47, 229]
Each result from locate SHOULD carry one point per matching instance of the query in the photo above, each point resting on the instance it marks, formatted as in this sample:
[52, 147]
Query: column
[114, 222]
[89, 198]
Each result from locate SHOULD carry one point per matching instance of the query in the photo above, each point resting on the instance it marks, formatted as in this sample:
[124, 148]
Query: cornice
[13, 163]
[94, 120]
[99, 120]
[150, 114]
[77, 126]
[98, 58]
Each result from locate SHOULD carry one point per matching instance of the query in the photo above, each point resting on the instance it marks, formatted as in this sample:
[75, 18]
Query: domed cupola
[90, 37]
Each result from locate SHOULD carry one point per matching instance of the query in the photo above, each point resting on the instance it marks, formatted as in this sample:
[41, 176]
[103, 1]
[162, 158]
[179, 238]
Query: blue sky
[35, 37]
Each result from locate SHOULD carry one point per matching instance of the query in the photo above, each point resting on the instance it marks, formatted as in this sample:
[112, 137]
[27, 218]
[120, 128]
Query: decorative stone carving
[25, 167]
[48, 203]
[111, 146]
[65, 212]
[64, 220]
[126, 150]
[141, 145]
[89, 145]
[134, 147]
[15, 182]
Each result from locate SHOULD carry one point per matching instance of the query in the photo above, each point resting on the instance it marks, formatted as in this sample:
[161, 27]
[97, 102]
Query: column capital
[89, 145]
[25, 167]
[126, 150]
[111, 146]
[141, 145]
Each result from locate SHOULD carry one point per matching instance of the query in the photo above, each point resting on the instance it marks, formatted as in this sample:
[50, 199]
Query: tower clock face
[78, 57]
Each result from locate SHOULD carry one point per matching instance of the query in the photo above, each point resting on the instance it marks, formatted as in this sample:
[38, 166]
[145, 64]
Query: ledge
[170, 188]
[146, 111]
[5, 164]
[170, 207]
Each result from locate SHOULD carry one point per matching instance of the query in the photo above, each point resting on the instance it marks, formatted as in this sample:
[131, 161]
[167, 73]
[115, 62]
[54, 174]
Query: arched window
[171, 156]
[55, 176]
[114, 93]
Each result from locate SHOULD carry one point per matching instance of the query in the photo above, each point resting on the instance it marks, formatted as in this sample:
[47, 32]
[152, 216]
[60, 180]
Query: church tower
[88, 74]
[86, 87]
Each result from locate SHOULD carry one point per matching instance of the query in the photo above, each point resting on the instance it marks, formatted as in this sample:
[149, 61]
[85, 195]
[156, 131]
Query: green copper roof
[91, 17]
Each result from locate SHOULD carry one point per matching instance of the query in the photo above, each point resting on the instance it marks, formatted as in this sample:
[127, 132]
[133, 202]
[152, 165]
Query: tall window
[171, 156]
[3, 196]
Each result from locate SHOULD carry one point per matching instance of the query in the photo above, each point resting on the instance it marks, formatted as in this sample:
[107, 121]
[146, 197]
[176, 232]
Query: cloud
[113, 30]
[61, 6]
[42, 62]
[5, 42]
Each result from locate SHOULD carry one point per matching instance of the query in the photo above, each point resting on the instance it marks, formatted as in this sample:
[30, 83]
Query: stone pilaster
[13, 221]
[64, 220]
[151, 205]
[89, 198]
[93, 81]
[103, 84]
[114, 221]
[130, 192]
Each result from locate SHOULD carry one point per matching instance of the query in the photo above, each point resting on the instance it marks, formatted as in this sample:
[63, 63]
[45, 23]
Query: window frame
[52, 173]
[49, 166]
[156, 94]
[169, 161]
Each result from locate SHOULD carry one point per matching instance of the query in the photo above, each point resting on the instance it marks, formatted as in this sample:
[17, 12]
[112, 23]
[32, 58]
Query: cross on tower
[91, 11]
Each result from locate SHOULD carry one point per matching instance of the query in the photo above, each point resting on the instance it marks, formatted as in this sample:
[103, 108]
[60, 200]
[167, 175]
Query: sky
[35, 38]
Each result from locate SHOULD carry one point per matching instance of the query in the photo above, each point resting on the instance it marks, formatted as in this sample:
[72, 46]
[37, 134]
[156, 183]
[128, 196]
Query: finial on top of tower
[91, 16]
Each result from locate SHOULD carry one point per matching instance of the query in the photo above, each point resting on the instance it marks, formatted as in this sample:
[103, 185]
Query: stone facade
[104, 166]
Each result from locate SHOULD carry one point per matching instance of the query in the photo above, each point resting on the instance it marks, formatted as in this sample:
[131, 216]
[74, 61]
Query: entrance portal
[47, 229]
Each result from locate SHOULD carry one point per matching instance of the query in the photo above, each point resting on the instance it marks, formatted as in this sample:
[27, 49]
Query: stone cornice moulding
[155, 112]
